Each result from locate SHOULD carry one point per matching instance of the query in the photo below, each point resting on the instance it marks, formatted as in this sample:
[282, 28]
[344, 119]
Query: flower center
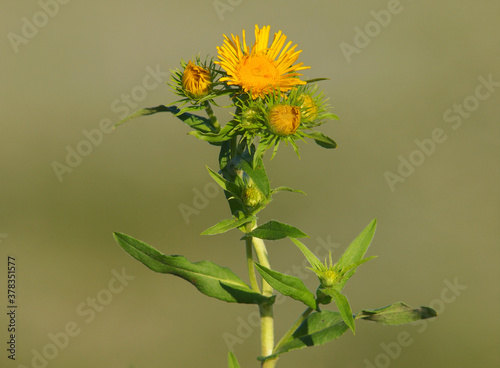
[257, 73]
[284, 119]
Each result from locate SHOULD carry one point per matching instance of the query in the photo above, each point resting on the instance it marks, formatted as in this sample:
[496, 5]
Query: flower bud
[252, 196]
[196, 81]
[329, 278]
[309, 108]
[284, 119]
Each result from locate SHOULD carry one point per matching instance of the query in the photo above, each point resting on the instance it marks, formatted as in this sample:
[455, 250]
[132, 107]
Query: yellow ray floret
[261, 70]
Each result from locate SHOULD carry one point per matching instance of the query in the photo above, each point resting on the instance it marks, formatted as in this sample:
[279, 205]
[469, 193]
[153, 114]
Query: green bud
[252, 196]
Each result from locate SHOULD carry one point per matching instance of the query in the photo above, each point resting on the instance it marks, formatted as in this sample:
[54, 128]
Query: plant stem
[251, 268]
[266, 309]
[261, 251]
[212, 116]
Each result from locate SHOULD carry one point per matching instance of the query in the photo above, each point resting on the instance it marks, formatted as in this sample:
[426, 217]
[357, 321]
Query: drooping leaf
[343, 306]
[209, 278]
[286, 189]
[196, 122]
[322, 140]
[356, 250]
[318, 329]
[274, 230]
[226, 225]
[288, 285]
[225, 133]
[231, 361]
[313, 260]
[396, 314]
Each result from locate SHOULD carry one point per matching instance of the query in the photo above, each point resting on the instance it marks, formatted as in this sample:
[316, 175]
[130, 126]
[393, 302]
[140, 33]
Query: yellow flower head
[196, 81]
[261, 70]
[284, 119]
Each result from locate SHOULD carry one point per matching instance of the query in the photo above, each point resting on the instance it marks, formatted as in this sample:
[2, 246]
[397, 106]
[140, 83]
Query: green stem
[261, 251]
[266, 309]
[212, 116]
[251, 268]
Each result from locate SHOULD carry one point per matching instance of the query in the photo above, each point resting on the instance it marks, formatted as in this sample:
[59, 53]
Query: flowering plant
[272, 104]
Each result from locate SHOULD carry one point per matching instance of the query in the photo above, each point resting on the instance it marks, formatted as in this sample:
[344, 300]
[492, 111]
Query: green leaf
[262, 147]
[209, 278]
[343, 306]
[231, 361]
[316, 80]
[194, 121]
[396, 314]
[288, 285]
[356, 250]
[318, 329]
[274, 230]
[286, 189]
[313, 260]
[226, 225]
[144, 112]
[224, 135]
[258, 175]
[322, 140]
[225, 184]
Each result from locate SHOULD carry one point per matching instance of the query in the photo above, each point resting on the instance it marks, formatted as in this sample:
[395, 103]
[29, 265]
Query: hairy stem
[212, 116]
[250, 265]
[266, 309]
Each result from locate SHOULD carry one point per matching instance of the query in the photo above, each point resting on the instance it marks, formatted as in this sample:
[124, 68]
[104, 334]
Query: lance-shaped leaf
[286, 189]
[274, 230]
[355, 252]
[313, 260]
[318, 329]
[209, 278]
[396, 314]
[231, 361]
[258, 175]
[343, 306]
[225, 184]
[196, 122]
[224, 135]
[226, 225]
[322, 140]
[288, 285]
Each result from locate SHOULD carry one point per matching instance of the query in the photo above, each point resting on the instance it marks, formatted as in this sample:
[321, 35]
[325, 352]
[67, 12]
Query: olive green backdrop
[396, 81]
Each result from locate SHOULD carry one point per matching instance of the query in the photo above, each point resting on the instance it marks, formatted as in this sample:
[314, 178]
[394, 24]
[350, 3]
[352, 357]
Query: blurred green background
[436, 226]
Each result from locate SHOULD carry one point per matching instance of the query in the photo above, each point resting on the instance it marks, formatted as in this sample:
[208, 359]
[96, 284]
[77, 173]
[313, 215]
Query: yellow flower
[196, 81]
[284, 119]
[261, 70]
